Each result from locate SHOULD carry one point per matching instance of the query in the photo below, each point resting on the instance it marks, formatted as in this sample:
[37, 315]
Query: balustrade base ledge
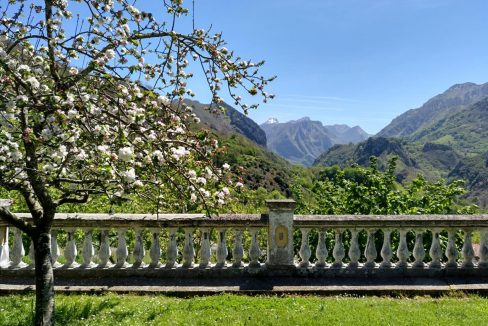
[247, 285]
[264, 271]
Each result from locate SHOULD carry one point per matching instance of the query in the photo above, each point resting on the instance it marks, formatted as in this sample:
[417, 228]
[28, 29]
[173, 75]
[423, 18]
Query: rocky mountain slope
[453, 100]
[228, 122]
[302, 141]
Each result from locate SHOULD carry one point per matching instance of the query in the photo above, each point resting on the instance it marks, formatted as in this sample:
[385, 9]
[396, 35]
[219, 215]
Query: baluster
[18, 251]
[354, 250]
[155, 250]
[321, 251]
[483, 249]
[338, 252]
[386, 251]
[32, 254]
[370, 251]
[254, 251]
[4, 250]
[70, 251]
[305, 252]
[88, 249]
[402, 251]
[188, 251]
[418, 250]
[435, 251]
[54, 248]
[205, 248]
[238, 251]
[172, 249]
[467, 250]
[451, 250]
[104, 253]
[122, 252]
[221, 249]
[139, 250]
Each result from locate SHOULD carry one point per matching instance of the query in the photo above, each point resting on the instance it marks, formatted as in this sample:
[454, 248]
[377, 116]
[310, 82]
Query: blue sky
[359, 62]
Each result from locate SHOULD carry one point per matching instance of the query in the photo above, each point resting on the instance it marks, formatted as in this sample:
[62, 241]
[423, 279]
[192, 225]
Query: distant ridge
[302, 141]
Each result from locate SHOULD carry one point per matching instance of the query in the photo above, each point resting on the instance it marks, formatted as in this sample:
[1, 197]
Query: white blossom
[130, 175]
[201, 180]
[110, 53]
[179, 152]
[33, 82]
[159, 156]
[81, 155]
[125, 154]
[24, 68]
[163, 100]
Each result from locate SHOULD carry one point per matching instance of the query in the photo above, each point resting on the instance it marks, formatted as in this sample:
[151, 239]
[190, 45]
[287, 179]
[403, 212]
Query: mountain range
[445, 137]
[302, 141]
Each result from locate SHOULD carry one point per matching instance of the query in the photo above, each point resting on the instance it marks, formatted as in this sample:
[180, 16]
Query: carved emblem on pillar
[281, 236]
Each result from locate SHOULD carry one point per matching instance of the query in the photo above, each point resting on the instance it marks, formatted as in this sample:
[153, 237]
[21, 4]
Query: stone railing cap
[281, 204]
[5, 202]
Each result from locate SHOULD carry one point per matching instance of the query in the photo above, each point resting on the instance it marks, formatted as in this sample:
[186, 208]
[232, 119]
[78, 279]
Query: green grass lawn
[228, 309]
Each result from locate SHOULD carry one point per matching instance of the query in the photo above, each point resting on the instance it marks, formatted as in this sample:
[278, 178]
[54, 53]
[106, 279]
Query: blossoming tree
[91, 104]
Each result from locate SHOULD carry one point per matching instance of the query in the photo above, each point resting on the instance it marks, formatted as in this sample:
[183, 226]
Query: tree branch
[11, 218]
[73, 200]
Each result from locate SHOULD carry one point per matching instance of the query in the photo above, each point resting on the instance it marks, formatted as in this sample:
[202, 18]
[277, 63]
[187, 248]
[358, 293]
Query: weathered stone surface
[280, 233]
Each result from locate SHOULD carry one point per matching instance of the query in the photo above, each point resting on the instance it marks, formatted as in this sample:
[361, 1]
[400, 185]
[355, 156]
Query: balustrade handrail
[391, 221]
[260, 220]
[81, 220]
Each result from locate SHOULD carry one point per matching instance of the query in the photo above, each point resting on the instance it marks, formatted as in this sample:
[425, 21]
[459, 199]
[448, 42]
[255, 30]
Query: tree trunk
[44, 280]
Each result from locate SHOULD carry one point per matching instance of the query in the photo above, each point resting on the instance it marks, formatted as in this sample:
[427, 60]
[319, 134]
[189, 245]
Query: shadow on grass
[68, 313]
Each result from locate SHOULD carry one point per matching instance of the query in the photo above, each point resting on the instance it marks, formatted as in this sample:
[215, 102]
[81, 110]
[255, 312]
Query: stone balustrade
[456, 228]
[179, 249]
[228, 245]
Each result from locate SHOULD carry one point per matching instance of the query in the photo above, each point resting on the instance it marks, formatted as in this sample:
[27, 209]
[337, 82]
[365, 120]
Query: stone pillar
[280, 233]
